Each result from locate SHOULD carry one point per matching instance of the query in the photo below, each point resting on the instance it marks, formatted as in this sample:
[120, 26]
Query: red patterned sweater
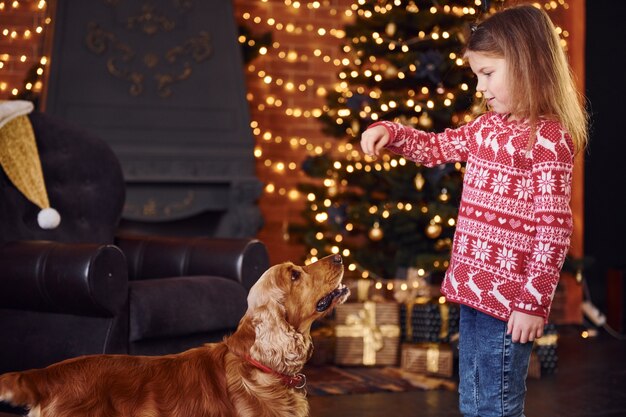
[514, 223]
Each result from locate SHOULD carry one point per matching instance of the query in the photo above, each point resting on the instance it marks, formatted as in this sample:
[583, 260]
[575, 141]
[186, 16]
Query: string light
[23, 39]
[294, 29]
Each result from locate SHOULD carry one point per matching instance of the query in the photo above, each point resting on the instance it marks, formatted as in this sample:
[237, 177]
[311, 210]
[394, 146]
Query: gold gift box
[428, 358]
[534, 367]
[367, 333]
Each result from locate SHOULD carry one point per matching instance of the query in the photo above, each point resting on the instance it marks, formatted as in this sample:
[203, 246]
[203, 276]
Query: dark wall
[605, 162]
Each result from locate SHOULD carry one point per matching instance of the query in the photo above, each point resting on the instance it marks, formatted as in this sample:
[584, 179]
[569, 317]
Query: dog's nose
[337, 259]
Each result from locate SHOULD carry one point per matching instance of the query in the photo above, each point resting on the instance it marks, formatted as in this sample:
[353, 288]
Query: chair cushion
[184, 305]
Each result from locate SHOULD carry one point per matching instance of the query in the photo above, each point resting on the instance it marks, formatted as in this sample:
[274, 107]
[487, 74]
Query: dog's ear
[277, 344]
[266, 289]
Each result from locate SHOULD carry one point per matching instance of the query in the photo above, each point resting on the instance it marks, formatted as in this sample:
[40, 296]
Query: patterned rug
[334, 380]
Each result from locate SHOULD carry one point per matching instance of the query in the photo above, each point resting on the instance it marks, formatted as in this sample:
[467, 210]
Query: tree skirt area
[334, 380]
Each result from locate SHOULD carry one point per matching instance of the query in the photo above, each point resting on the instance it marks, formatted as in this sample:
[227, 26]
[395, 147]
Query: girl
[514, 223]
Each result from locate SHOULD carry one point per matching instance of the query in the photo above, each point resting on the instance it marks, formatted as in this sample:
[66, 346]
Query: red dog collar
[297, 381]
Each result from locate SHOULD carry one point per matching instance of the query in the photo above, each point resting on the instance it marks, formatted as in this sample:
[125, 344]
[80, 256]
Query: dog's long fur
[209, 381]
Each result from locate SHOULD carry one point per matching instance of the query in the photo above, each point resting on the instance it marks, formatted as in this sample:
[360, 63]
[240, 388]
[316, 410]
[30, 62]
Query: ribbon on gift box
[432, 359]
[363, 324]
[444, 312]
[547, 340]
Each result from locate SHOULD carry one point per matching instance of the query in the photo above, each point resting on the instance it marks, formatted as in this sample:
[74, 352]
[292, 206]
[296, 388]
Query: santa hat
[19, 158]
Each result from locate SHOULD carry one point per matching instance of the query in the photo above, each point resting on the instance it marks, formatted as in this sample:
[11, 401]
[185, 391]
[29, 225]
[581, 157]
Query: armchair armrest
[80, 279]
[149, 257]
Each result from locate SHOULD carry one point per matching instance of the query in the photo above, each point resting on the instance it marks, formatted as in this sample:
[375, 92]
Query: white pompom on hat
[19, 158]
[48, 218]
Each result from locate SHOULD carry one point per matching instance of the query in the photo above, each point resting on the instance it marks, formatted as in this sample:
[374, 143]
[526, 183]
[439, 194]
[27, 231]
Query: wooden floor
[590, 382]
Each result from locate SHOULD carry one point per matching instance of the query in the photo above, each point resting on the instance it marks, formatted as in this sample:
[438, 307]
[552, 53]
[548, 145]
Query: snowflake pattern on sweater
[514, 224]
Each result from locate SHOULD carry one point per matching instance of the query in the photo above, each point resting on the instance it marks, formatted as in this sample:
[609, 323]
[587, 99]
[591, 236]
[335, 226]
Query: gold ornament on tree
[355, 126]
[419, 181]
[391, 71]
[442, 244]
[433, 230]
[443, 197]
[376, 233]
[425, 121]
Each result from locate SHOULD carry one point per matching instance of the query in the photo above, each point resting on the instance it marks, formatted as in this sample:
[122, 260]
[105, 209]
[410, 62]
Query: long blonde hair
[541, 84]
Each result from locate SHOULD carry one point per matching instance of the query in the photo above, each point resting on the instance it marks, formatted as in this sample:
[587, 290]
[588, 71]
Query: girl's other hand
[374, 139]
[524, 327]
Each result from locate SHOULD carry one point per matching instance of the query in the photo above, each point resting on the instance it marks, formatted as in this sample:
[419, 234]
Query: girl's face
[492, 80]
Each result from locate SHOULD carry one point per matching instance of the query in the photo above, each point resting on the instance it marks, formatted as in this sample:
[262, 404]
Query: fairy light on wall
[271, 102]
[293, 28]
[27, 42]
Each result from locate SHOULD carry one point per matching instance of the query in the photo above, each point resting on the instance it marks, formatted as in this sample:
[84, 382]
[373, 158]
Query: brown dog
[252, 373]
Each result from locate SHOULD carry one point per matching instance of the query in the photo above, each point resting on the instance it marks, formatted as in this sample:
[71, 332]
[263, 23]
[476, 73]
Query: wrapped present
[428, 358]
[323, 346]
[429, 319]
[534, 367]
[367, 333]
[546, 349]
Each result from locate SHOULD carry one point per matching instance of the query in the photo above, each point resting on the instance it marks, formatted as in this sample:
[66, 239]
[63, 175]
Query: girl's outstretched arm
[427, 148]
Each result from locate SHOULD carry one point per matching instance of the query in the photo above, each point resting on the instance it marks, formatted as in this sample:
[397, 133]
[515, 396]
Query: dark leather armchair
[78, 289]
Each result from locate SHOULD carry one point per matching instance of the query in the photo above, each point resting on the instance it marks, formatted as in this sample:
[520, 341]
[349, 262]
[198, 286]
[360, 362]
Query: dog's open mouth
[325, 302]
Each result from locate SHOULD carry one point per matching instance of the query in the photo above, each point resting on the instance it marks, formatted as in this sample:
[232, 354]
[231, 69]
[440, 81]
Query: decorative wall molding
[164, 67]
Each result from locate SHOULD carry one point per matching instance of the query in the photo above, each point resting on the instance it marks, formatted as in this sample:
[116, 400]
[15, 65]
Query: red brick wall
[21, 45]
[307, 69]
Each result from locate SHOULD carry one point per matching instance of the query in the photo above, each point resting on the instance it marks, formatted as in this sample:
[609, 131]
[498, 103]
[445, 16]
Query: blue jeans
[492, 369]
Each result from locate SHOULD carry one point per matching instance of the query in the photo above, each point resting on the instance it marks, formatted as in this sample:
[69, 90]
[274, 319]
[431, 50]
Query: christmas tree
[403, 62]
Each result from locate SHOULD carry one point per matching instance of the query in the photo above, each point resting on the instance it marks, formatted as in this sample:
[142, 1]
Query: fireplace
[162, 82]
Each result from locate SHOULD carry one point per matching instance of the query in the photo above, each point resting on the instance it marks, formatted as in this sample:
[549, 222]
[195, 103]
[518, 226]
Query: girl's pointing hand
[374, 139]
